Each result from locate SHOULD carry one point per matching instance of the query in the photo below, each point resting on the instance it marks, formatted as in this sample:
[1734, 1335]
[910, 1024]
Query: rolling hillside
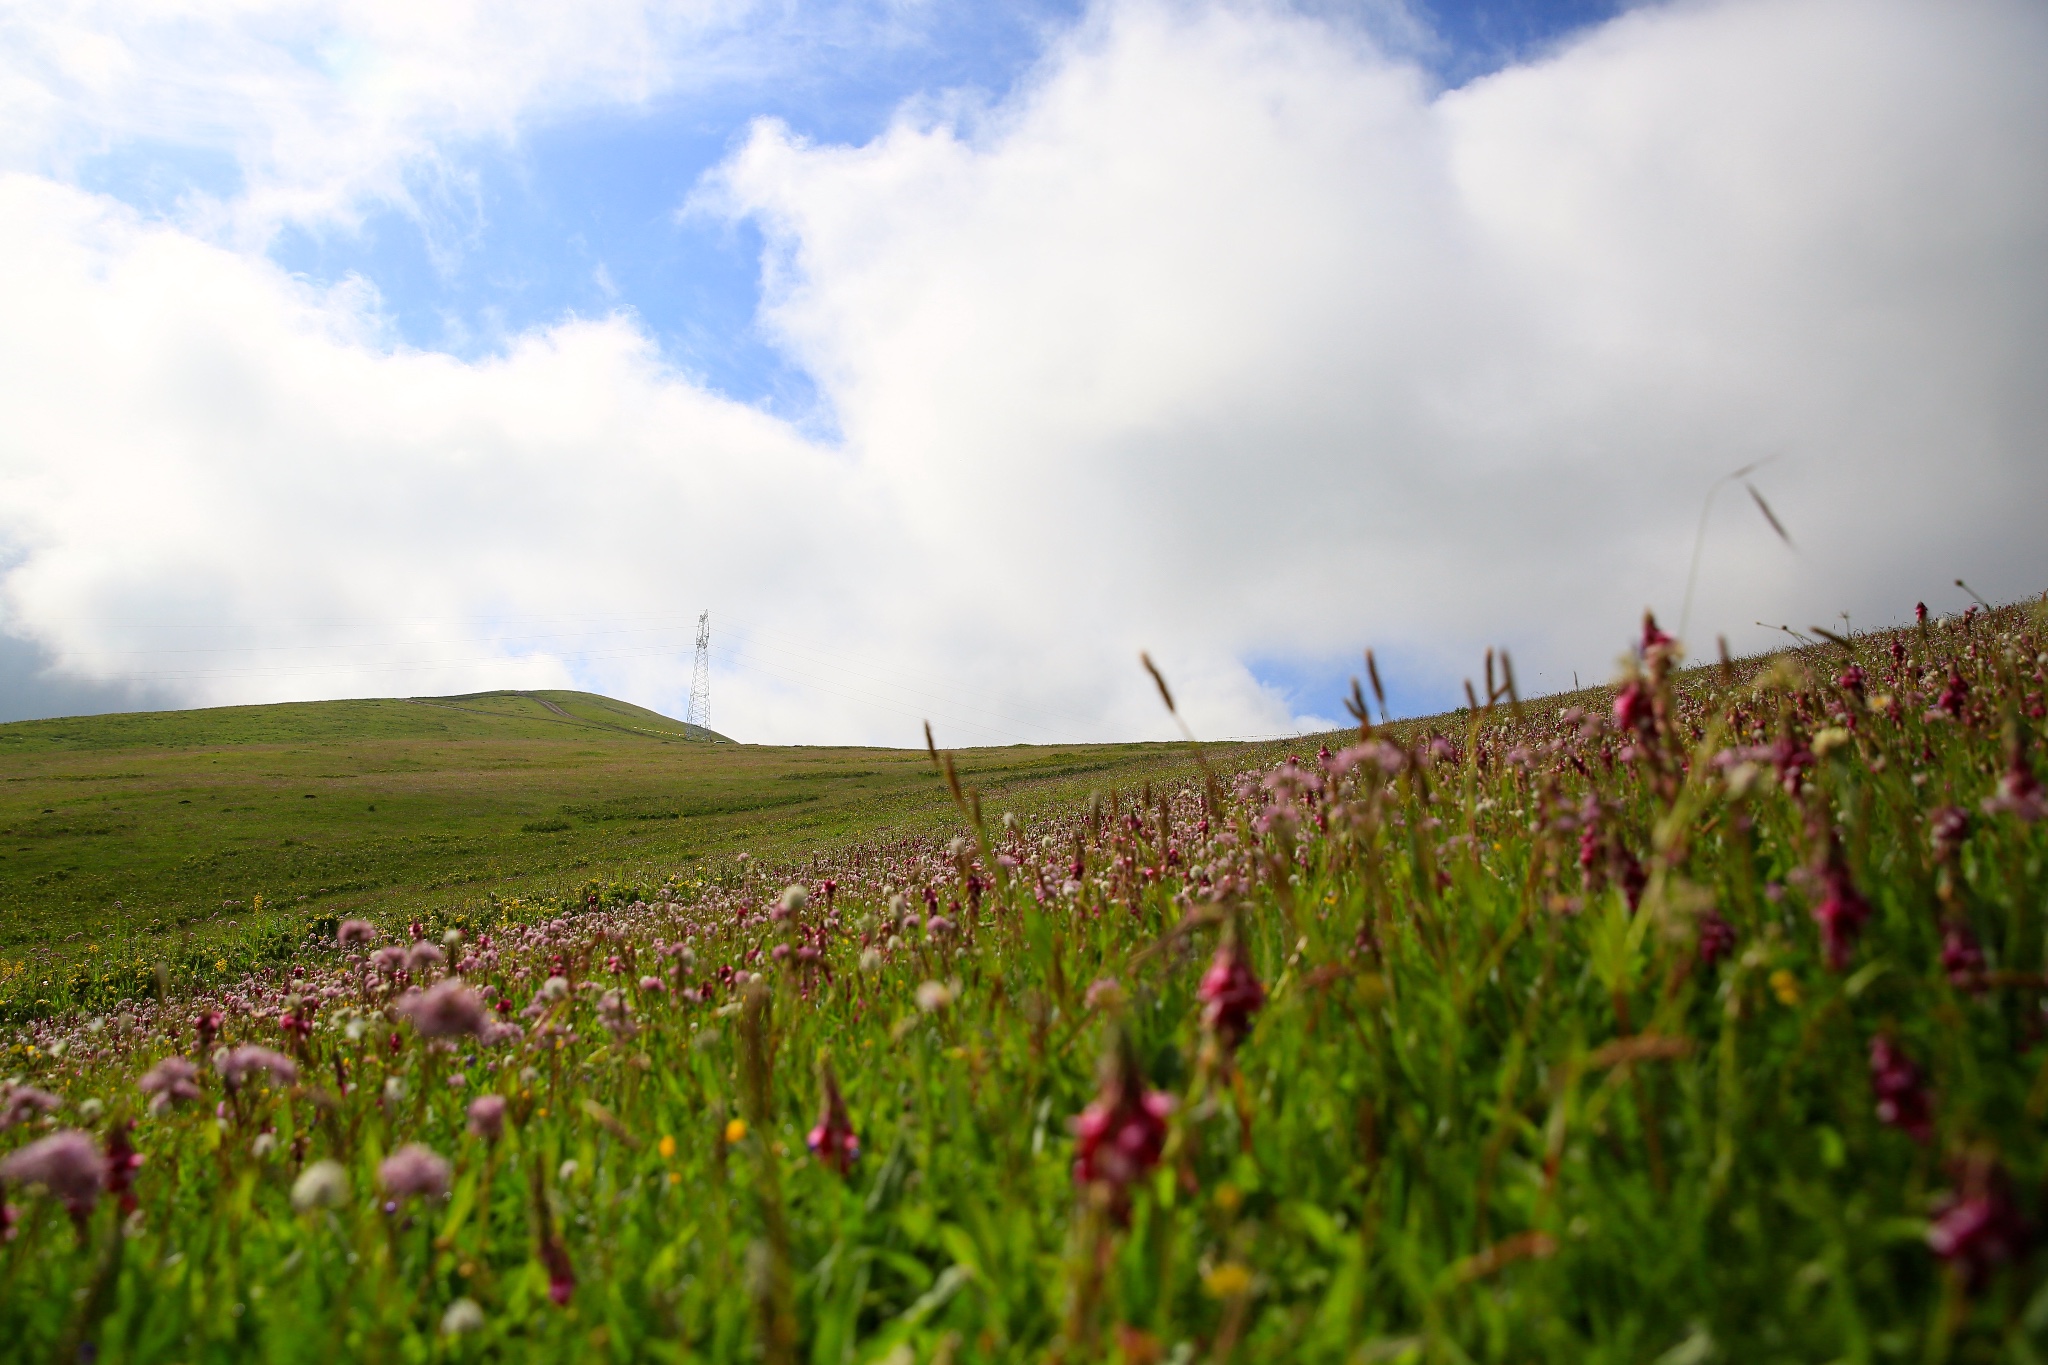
[150, 837]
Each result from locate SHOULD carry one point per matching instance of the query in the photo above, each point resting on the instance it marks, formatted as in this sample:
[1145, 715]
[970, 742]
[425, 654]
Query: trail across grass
[1702, 1025]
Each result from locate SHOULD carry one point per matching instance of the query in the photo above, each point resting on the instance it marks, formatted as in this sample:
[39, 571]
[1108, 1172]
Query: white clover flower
[322, 1185]
[463, 1315]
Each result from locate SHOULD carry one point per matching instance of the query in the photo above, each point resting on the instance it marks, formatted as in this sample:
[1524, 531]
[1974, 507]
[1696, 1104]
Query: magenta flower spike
[1121, 1135]
[1230, 992]
[833, 1140]
[1902, 1100]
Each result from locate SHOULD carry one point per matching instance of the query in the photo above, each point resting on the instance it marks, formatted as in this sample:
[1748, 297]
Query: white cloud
[195, 438]
[1226, 336]
[1231, 328]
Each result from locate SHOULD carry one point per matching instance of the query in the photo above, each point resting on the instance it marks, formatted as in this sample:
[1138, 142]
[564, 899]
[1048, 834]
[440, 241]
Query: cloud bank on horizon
[1234, 331]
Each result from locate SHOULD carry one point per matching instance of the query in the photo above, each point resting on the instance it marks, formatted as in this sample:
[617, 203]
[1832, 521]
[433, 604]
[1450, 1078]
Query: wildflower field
[1701, 1020]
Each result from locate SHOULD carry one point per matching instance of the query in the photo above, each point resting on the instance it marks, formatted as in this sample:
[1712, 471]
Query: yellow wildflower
[1227, 1281]
[1785, 986]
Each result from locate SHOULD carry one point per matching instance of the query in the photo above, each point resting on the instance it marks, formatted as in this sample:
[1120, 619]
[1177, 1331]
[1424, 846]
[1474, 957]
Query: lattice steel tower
[699, 712]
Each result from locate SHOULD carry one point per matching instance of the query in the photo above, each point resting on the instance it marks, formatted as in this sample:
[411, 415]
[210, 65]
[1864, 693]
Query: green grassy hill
[201, 836]
[476, 715]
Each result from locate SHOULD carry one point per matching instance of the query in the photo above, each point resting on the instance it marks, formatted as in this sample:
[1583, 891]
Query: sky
[952, 355]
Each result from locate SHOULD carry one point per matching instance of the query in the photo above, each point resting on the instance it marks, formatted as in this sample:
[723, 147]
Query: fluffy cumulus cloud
[1225, 334]
[195, 439]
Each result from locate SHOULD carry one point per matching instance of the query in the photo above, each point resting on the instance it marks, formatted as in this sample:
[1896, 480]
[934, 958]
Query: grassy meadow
[1703, 1019]
[195, 838]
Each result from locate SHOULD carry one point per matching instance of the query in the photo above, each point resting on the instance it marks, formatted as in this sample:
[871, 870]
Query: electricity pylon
[699, 712]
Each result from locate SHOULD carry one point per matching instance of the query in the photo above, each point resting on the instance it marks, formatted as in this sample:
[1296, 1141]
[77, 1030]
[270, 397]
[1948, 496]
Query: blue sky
[589, 215]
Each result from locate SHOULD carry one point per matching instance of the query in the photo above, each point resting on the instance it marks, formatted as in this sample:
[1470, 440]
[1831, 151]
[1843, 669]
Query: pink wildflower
[1841, 912]
[169, 1083]
[1717, 938]
[26, 1102]
[1632, 708]
[422, 957]
[1976, 1227]
[2019, 791]
[447, 1009]
[121, 1163]
[498, 1031]
[561, 1274]
[1961, 957]
[487, 1117]
[355, 931]
[66, 1163]
[616, 1015]
[243, 1062]
[1792, 758]
[1954, 695]
[1104, 993]
[1653, 638]
[414, 1170]
[1947, 828]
